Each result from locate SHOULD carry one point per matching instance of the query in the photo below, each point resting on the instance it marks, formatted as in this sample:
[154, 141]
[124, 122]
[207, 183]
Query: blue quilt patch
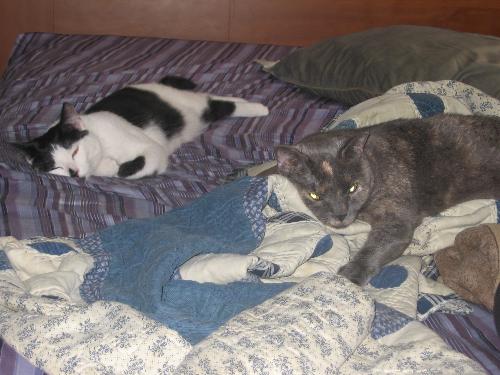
[264, 269]
[347, 124]
[387, 321]
[52, 247]
[274, 203]
[323, 245]
[427, 104]
[390, 277]
[4, 262]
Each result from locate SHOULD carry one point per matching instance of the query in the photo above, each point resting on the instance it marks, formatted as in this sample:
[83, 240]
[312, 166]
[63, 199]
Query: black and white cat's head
[332, 175]
[63, 149]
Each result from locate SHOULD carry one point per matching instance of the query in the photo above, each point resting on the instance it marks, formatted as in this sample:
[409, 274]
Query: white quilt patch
[46, 274]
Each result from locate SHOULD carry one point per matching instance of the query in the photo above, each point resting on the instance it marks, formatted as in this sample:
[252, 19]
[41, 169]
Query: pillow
[359, 66]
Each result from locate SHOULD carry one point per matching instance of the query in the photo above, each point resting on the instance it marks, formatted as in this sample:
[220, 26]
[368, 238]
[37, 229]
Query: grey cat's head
[331, 172]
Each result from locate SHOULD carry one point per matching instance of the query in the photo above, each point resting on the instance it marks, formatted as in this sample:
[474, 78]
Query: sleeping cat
[393, 175]
[131, 132]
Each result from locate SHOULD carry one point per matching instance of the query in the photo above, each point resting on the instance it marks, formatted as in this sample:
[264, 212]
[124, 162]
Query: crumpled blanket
[321, 316]
[280, 309]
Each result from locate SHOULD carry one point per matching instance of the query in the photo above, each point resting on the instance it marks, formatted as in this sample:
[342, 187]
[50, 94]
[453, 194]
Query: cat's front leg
[384, 244]
[107, 168]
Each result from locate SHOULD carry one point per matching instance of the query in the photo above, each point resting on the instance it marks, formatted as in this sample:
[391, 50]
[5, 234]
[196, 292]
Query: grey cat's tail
[179, 83]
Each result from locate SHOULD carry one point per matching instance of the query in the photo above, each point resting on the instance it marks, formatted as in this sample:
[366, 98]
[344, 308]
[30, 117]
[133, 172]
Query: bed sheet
[46, 70]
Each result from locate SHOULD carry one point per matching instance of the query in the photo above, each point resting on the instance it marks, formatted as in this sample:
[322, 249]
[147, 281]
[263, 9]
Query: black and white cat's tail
[219, 107]
[225, 107]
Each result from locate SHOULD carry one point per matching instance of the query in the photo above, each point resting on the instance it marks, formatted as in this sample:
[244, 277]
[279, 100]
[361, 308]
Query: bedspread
[321, 324]
[46, 70]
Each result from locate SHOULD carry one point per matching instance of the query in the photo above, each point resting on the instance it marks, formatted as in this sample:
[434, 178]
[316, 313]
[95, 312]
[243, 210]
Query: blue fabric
[424, 304]
[196, 310]
[427, 104]
[4, 262]
[347, 124]
[264, 269]
[390, 276]
[324, 245]
[387, 321]
[145, 253]
[274, 202]
[138, 258]
[52, 247]
[90, 290]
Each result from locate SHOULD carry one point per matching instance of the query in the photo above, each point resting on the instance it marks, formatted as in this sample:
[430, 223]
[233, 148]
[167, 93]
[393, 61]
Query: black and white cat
[131, 132]
[393, 175]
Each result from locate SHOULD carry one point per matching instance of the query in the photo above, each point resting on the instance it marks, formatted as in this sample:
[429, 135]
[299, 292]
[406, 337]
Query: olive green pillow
[356, 67]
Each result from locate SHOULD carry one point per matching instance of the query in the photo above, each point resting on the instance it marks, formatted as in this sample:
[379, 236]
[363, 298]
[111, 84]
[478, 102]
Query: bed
[83, 69]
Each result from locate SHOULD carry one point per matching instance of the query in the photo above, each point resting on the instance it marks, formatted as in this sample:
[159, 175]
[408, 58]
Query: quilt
[242, 280]
[122, 300]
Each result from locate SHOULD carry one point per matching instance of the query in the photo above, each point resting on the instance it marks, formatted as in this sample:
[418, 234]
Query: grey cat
[391, 176]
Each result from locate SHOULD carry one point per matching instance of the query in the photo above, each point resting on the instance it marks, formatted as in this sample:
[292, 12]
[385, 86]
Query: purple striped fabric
[473, 334]
[12, 363]
[46, 69]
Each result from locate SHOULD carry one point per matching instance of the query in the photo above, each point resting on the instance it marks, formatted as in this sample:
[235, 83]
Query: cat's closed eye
[75, 152]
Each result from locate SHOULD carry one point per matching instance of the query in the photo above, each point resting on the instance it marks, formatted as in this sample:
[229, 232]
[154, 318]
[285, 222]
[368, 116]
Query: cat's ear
[70, 119]
[26, 147]
[290, 160]
[29, 149]
[355, 145]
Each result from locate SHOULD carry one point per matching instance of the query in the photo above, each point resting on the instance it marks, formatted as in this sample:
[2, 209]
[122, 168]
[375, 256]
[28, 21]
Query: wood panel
[293, 22]
[22, 16]
[186, 19]
[304, 22]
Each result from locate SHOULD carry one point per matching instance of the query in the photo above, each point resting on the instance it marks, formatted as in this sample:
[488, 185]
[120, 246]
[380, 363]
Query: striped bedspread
[46, 69]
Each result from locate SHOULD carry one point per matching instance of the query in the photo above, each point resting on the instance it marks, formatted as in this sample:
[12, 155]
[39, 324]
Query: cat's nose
[73, 173]
[340, 218]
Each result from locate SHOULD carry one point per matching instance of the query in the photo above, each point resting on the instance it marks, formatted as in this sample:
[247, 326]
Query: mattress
[46, 70]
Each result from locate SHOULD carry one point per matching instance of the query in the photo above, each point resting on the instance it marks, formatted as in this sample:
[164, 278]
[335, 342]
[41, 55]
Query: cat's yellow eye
[314, 196]
[353, 188]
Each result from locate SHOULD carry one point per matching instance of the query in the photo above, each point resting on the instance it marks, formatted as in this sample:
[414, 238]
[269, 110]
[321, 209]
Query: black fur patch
[180, 83]
[131, 167]
[141, 107]
[218, 109]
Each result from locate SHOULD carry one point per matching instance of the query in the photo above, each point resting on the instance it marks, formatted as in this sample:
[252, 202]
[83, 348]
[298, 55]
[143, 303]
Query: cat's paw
[107, 167]
[357, 272]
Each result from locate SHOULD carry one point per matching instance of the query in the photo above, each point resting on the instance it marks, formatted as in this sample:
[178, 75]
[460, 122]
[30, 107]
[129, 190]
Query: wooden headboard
[292, 22]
